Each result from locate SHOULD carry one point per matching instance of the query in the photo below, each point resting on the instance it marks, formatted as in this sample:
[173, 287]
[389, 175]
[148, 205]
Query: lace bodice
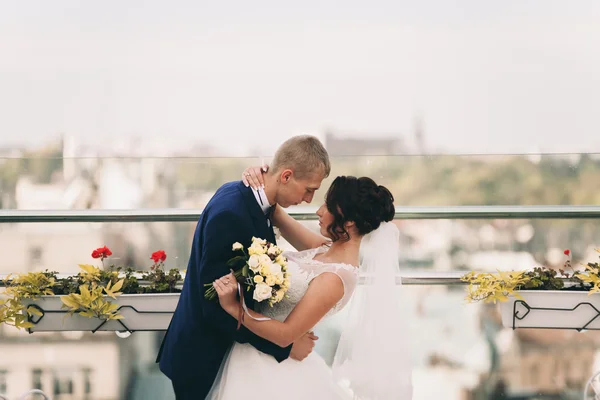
[303, 268]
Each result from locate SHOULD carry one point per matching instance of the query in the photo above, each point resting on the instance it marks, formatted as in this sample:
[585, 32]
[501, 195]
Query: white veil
[373, 356]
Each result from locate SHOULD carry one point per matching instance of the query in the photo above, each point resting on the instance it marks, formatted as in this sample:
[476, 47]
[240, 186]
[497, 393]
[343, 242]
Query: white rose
[264, 259]
[275, 269]
[271, 280]
[256, 249]
[237, 246]
[253, 263]
[262, 291]
[274, 251]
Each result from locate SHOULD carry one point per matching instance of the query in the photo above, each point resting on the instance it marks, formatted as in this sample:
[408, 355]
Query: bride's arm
[293, 231]
[322, 295]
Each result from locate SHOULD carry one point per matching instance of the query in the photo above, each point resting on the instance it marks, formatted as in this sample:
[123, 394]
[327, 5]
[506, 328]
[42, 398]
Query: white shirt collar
[261, 199]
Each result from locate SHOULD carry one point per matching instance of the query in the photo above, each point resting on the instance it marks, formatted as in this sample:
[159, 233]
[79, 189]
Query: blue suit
[201, 332]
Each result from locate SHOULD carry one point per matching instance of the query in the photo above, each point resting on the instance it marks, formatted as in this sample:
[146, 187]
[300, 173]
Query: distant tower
[419, 132]
[69, 152]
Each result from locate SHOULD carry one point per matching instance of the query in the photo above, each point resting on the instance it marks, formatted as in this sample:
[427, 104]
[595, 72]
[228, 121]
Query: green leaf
[237, 260]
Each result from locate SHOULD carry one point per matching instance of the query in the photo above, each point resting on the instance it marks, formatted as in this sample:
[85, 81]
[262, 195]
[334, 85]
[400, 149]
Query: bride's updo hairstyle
[360, 200]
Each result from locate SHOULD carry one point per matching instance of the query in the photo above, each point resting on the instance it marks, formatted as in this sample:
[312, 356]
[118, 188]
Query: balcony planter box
[552, 309]
[141, 312]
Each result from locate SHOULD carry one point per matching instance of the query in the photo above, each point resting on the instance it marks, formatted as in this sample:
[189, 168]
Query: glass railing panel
[429, 180]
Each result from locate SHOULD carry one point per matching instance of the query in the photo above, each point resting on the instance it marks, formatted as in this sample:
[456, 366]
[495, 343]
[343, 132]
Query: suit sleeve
[220, 232]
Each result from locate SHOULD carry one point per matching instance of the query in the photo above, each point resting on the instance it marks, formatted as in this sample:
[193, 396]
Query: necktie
[268, 214]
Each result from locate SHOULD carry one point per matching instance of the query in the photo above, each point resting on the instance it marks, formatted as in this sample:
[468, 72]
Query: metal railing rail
[417, 278]
[302, 213]
[308, 213]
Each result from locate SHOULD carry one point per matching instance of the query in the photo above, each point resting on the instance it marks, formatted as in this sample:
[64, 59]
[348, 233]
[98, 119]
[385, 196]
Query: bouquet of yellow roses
[263, 270]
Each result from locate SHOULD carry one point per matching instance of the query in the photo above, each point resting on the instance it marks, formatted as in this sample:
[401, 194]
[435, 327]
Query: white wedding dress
[247, 373]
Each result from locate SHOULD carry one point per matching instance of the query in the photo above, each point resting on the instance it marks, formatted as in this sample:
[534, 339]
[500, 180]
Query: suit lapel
[258, 218]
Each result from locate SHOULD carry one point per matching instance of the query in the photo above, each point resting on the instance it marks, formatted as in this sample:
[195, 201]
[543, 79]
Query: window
[35, 256]
[3, 381]
[63, 383]
[36, 375]
[87, 381]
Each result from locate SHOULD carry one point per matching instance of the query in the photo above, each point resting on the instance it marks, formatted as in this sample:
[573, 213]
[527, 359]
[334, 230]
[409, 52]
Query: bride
[371, 361]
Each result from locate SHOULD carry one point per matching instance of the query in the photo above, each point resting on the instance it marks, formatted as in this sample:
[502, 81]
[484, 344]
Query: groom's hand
[303, 346]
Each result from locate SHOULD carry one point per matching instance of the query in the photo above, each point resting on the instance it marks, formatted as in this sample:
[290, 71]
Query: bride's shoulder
[308, 253]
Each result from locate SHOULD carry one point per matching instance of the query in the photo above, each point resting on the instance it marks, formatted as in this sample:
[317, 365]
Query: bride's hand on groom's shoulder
[253, 176]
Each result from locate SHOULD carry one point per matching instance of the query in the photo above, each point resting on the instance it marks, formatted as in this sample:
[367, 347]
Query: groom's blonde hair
[303, 154]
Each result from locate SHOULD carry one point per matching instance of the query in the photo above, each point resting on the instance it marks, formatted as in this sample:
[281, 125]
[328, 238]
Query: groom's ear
[286, 175]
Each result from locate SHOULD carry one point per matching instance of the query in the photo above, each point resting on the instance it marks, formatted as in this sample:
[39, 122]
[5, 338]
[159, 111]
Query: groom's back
[192, 349]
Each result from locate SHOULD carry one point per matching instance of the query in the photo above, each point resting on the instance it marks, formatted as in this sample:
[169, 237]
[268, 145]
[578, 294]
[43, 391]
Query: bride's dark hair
[360, 200]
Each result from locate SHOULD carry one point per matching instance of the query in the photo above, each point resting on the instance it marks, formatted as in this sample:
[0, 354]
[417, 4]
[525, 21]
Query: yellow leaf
[70, 301]
[85, 294]
[90, 269]
[87, 313]
[118, 285]
[34, 311]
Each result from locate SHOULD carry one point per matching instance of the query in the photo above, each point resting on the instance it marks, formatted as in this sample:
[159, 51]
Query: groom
[201, 332]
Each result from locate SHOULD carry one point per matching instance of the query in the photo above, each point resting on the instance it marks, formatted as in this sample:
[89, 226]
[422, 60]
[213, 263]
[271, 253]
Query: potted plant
[107, 298]
[543, 297]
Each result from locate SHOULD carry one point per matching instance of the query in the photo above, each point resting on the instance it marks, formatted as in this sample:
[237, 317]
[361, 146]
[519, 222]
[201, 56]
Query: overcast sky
[485, 76]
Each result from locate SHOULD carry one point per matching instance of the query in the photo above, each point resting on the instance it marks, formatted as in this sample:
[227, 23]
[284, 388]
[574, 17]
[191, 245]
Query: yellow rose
[265, 270]
[279, 295]
[270, 280]
[258, 279]
[281, 260]
[274, 251]
[279, 279]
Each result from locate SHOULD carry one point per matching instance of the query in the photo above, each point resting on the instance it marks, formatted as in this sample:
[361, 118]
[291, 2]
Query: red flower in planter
[101, 253]
[159, 256]
[567, 252]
